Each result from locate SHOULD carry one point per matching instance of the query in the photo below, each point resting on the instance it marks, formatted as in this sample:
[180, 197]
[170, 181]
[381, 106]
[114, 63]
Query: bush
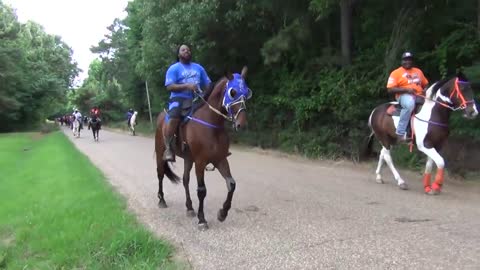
[48, 127]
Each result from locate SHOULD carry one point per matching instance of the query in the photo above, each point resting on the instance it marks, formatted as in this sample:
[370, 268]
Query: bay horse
[95, 125]
[133, 122]
[429, 126]
[204, 140]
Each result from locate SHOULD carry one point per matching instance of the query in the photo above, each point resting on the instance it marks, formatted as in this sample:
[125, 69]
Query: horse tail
[170, 174]
[367, 147]
[168, 171]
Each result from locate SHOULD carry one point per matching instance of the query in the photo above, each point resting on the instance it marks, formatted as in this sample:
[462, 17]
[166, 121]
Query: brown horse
[95, 124]
[204, 140]
[430, 126]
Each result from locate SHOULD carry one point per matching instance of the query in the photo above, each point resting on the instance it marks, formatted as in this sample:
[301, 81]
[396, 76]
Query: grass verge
[57, 212]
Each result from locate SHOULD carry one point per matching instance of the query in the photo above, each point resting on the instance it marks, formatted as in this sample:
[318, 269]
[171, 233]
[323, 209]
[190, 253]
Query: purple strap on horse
[200, 121]
[433, 123]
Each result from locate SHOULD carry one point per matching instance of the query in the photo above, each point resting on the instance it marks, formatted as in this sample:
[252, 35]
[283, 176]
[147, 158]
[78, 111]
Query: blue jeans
[407, 101]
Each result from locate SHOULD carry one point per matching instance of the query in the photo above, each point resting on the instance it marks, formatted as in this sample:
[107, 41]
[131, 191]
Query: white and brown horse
[76, 127]
[133, 122]
[430, 126]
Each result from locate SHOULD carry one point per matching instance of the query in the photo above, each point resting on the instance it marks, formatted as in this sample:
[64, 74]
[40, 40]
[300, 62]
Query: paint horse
[76, 126]
[204, 140]
[133, 122]
[429, 126]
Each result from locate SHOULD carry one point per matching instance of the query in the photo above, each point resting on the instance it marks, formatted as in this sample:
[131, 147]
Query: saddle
[395, 108]
[188, 109]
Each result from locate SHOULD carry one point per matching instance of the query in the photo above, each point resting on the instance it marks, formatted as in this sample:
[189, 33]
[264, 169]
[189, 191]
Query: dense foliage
[317, 67]
[36, 70]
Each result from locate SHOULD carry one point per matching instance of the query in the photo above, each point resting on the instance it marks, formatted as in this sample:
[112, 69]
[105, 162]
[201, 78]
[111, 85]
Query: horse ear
[461, 76]
[228, 74]
[244, 72]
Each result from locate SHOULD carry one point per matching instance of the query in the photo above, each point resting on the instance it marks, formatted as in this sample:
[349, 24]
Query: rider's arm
[205, 81]
[207, 88]
[171, 79]
[400, 90]
[393, 87]
[424, 81]
[174, 87]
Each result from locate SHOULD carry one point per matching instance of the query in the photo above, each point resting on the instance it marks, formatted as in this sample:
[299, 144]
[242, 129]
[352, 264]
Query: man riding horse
[129, 116]
[406, 82]
[95, 117]
[78, 117]
[182, 79]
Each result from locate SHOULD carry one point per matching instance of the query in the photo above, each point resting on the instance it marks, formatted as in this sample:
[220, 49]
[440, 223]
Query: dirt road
[290, 213]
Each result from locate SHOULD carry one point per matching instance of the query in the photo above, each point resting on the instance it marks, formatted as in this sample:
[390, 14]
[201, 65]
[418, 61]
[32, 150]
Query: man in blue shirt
[129, 115]
[182, 79]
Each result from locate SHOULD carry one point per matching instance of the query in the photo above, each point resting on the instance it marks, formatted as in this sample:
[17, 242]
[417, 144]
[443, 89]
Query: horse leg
[160, 174]
[439, 177]
[224, 169]
[428, 175]
[188, 164]
[381, 160]
[388, 159]
[201, 193]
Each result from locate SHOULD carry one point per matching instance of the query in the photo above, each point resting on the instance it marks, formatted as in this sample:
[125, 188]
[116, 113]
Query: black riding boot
[169, 154]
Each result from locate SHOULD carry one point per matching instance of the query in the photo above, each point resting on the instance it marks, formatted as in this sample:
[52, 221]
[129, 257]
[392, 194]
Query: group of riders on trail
[94, 117]
[188, 82]
[184, 78]
[195, 130]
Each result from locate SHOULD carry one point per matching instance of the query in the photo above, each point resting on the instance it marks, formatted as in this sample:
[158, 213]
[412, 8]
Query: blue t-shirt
[179, 73]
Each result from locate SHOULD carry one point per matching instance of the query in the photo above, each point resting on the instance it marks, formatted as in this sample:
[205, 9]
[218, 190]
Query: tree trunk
[478, 18]
[346, 7]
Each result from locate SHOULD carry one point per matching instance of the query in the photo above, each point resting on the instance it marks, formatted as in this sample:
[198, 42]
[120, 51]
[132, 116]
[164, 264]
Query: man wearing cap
[406, 82]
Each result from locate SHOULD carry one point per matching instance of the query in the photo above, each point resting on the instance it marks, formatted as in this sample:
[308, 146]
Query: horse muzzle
[471, 112]
[240, 121]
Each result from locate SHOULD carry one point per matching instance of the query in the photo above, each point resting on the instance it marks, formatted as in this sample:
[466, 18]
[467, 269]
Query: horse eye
[232, 93]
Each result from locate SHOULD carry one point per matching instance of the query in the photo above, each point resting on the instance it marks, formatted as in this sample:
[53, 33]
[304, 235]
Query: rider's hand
[192, 87]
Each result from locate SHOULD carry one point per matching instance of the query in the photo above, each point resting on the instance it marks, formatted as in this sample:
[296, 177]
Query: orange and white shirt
[407, 78]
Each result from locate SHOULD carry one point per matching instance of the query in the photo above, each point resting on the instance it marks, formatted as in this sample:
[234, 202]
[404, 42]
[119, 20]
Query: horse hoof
[191, 213]
[222, 215]
[162, 204]
[203, 226]
[403, 186]
[379, 181]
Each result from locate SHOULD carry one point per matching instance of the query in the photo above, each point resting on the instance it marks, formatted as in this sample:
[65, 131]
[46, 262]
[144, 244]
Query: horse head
[235, 95]
[461, 96]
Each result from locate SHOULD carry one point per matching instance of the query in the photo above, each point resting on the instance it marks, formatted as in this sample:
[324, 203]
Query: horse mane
[214, 90]
[462, 77]
[438, 85]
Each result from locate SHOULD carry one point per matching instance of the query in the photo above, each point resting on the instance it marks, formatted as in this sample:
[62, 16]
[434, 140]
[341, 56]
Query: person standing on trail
[406, 82]
[182, 79]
